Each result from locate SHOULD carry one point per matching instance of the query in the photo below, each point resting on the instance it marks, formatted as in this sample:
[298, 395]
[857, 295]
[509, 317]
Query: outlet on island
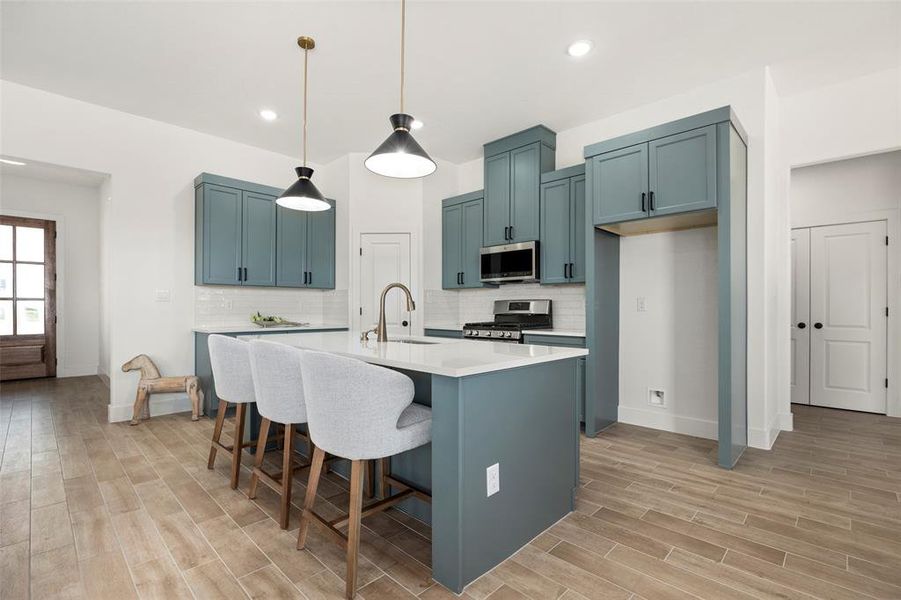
[493, 477]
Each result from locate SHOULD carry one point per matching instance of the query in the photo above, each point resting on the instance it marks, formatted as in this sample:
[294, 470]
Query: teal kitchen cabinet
[461, 240]
[306, 248]
[562, 206]
[670, 175]
[241, 237]
[566, 342]
[258, 239]
[513, 168]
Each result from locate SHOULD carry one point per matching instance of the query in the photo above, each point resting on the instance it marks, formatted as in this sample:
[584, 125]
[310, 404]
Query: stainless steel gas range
[511, 319]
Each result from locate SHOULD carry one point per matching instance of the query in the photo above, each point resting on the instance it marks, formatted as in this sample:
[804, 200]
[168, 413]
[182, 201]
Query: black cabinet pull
[310, 277]
[571, 270]
[507, 233]
[802, 325]
[462, 277]
[565, 270]
[511, 232]
[817, 325]
[239, 273]
[643, 195]
[651, 201]
[245, 273]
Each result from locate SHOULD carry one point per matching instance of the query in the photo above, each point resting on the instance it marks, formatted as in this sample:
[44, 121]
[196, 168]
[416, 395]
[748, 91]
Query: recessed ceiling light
[268, 114]
[417, 124]
[6, 161]
[580, 48]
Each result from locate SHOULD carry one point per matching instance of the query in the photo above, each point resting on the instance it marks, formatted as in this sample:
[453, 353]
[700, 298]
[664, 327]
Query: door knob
[404, 323]
[817, 325]
[802, 325]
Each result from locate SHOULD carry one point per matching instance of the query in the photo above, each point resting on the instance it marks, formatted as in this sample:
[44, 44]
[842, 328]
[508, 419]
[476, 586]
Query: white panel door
[800, 316]
[847, 311]
[385, 259]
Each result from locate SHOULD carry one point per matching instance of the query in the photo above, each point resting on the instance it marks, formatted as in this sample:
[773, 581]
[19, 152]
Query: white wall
[150, 221]
[854, 190]
[75, 208]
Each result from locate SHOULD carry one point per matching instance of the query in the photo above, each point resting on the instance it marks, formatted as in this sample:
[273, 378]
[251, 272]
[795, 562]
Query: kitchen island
[513, 405]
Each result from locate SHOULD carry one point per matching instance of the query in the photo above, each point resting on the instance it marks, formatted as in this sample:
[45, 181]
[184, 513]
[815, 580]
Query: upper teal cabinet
[513, 168]
[306, 248]
[669, 175]
[563, 226]
[243, 238]
[461, 240]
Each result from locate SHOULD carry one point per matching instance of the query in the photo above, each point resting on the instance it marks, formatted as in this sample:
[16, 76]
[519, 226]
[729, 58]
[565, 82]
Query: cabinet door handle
[239, 273]
[511, 232]
[571, 270]
[643, 209]
[310, 277]
[506, 233]
[565, 270]
[245, 273]
[651, 201]
[462, 277]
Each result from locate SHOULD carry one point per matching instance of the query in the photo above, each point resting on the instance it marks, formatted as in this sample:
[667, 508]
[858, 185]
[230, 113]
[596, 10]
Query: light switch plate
[493, 476]
[641, 304]
[163, 295]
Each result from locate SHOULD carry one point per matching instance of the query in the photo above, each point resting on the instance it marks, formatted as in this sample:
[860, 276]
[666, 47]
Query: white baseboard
[765, 438]
[76, 370]
[658, 419]
[104, 378]
[162, 405]
[786, 422]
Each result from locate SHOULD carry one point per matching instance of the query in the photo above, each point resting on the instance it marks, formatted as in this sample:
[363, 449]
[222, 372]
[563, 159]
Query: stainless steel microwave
[509, 263]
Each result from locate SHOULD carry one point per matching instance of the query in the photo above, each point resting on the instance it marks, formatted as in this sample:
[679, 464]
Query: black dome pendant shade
[303, 194]
[400, 155]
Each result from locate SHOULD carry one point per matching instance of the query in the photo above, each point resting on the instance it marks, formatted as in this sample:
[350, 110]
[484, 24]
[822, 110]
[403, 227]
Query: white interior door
[800, 316]
[385, 259]
[847, 312]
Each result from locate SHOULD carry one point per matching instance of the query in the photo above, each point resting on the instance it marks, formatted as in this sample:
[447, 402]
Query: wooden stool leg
[287, 476]
[238, 444]
[310, 498]
[370, 478]
[353, 526]
[258, 460]
[385, 470]
[217, 433]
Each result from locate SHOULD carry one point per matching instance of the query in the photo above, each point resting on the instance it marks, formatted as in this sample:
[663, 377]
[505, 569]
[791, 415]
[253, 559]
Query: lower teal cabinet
[562, 226]
[306, 248]
[461, 241]
[569, 342]
[241, 237]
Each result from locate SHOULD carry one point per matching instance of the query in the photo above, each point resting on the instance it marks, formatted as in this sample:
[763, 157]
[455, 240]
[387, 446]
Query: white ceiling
[475, 70]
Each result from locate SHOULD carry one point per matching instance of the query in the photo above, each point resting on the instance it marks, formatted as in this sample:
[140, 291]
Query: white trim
[657, 419]
[765, 438]
[77, 370]
[159, 405]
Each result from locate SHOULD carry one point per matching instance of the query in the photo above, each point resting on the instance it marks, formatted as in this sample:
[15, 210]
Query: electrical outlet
[493, 477]
[641, 304]
[656, 398]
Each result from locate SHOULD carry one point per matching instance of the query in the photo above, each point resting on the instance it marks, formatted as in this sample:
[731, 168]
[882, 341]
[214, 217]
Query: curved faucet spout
[382, 329]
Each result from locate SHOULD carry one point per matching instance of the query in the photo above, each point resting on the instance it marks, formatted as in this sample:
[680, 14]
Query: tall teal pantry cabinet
[679, 175]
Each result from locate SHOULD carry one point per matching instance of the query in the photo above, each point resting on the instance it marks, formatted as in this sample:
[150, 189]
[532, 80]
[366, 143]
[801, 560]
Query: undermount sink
[420, 342]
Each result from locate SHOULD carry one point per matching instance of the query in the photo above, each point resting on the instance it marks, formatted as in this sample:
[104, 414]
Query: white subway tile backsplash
[463, 306]
[215, 306]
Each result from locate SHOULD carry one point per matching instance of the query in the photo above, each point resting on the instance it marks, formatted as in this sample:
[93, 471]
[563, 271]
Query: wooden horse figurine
[152, 382]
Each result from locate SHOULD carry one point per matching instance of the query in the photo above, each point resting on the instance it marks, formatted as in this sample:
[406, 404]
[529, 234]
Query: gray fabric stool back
[230, 361]
[277, 382]
[361, 411]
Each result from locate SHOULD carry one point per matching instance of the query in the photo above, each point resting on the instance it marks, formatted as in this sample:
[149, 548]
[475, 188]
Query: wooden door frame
[50, 280]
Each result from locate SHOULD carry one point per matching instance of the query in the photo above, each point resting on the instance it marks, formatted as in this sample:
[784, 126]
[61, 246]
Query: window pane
[6, 280]
[29, 317]
[6, 242]
[30, 244]
[6, 317]
[29, 281]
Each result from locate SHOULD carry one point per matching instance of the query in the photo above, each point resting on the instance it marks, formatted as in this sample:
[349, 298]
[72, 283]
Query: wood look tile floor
[93, 510]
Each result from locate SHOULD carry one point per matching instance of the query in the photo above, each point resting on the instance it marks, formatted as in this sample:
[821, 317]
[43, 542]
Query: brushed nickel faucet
[381, 330]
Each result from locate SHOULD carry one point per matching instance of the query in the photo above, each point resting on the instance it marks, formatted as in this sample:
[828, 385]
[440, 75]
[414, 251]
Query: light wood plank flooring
[93, 510]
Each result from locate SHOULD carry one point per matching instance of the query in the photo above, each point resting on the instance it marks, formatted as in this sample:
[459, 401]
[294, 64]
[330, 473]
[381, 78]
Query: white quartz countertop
[440, 356]
[251, 328]
[561, 332]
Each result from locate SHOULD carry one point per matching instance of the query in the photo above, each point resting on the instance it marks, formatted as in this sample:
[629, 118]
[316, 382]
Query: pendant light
[399, 155]
[303, 195]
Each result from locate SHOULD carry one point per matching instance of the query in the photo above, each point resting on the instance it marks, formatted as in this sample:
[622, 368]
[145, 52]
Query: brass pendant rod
[403, 28]
[306, 52]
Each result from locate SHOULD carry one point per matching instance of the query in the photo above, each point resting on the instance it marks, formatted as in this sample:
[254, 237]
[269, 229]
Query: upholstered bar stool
[230, 361]
[279, 391]
[362, 413]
